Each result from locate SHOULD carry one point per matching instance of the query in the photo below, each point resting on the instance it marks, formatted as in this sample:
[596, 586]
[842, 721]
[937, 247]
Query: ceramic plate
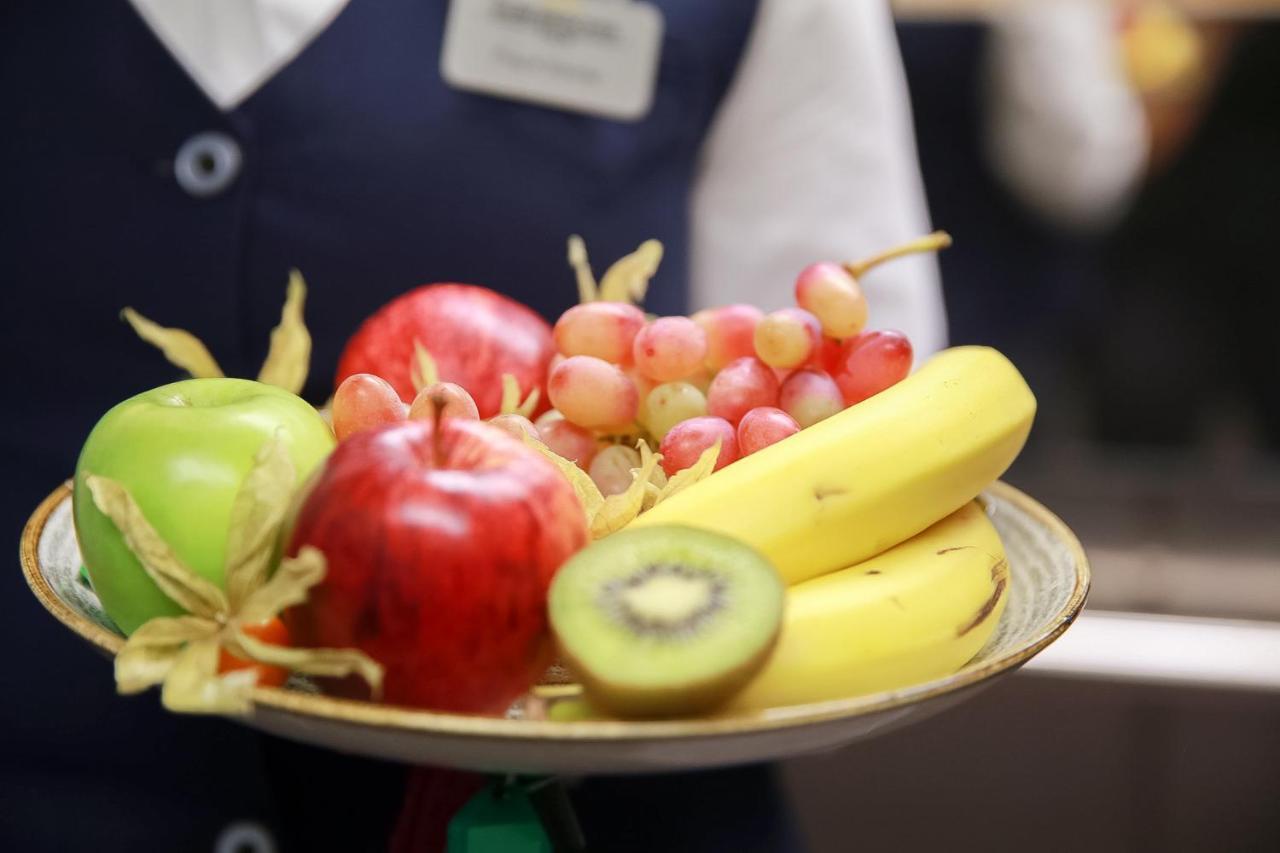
[1050, 579]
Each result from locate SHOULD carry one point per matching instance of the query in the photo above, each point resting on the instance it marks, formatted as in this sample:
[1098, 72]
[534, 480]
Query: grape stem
[934, 242]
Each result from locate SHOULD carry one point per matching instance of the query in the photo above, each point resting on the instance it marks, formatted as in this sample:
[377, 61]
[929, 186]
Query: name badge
[591, 56]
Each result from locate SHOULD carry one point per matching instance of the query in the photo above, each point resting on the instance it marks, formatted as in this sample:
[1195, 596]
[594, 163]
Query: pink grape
[810, 396]
[444, 400]
[606, 330]
[670, 348]
[592, 393]
[730, 333]
[831, 294]
[516, 426]
[364, 401]
[872, 362]
[567, 439]
[611, 468]
[827, 358]
[762, 427]
[744, 384]
[687, 440]
[669, 404]
[788, 337]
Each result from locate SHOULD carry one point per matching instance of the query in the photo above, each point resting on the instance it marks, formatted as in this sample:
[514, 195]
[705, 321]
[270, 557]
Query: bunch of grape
[732, 375]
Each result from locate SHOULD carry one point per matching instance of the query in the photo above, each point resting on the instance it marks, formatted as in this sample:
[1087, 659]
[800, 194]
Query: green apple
[182, 451]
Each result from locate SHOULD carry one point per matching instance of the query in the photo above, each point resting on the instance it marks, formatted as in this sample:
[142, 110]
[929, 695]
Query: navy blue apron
[360, 167]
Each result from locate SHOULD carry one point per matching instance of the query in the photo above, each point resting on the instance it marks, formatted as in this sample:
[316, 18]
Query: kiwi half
[665, 621]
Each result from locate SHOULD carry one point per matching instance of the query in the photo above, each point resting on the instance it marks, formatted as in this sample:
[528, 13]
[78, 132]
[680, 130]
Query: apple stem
[934, 242]
[437, 421]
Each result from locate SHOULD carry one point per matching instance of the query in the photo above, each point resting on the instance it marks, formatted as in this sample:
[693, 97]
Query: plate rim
[361, 714]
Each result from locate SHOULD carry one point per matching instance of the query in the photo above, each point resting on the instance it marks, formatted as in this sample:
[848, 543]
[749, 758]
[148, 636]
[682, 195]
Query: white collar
[232, 47]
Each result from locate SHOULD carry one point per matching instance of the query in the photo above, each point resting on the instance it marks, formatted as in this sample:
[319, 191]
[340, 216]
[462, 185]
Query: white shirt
[811, 157]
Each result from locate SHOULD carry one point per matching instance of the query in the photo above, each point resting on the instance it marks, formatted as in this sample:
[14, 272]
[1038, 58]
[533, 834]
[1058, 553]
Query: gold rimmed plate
[1050, 579]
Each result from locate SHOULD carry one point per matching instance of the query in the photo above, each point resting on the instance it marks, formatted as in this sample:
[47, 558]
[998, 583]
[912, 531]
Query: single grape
[731, 331]
[831, 294]
[669, 404]
[516, 426]
[611, 468]
[762, 427]
[810, 396]
[744, 384]
[567, 439]
[592, 393]
[364, 401]
[827, 358]
[872, 362]
[670, 348]
[606, 330]
[443, 400]
[787, 337]
[687, 440]
[547, 417]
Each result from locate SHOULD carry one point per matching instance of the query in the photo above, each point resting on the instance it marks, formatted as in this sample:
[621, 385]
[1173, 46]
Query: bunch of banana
[896, 575]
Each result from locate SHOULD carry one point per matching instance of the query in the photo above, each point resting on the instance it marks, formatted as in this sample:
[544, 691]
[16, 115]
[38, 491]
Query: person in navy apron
[181, 157]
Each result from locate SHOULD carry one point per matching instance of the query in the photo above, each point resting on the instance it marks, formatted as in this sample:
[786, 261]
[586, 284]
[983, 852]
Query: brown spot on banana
[999, 576]
[821, 493]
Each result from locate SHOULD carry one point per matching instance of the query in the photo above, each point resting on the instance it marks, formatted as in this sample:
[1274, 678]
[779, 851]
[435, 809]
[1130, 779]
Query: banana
[916, 612]
[871, 476]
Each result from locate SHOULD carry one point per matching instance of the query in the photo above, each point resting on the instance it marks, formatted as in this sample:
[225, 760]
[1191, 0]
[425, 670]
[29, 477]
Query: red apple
[441, 539]
[474, 334]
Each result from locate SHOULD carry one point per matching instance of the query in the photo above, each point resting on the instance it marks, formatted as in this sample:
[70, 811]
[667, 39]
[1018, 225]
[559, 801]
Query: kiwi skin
[624, 703]
[681, 699]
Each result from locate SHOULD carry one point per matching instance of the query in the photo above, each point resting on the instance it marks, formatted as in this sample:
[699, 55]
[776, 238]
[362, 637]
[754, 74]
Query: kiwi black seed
[665, 621]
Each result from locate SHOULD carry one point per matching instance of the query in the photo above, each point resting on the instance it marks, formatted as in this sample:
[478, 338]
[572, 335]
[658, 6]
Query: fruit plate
[1050, 580]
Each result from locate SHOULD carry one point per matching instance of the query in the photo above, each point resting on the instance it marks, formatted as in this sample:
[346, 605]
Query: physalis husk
[181, 653]
[649, 486]
[288, 360]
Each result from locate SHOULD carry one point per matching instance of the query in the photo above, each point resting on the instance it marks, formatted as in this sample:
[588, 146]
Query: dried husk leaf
[586, 489]
[510, 395]
[187, 589]
[286, 588]
[619, 510]
[289, 357]
[260, 507]
[423, 370]
[699, 470]
[193, 685]
[587, 289]
[530, 403]
[652, 492]
[179, 346]
[151, 651]
[327, 663]
[628, 279]
[657, 478]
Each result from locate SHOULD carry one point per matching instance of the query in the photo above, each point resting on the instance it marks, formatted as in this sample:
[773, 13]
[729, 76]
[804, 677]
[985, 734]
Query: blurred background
[1111, 173]
[1110, 170]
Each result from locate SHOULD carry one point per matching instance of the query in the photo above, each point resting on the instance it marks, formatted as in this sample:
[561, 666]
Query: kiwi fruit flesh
[665, 621]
